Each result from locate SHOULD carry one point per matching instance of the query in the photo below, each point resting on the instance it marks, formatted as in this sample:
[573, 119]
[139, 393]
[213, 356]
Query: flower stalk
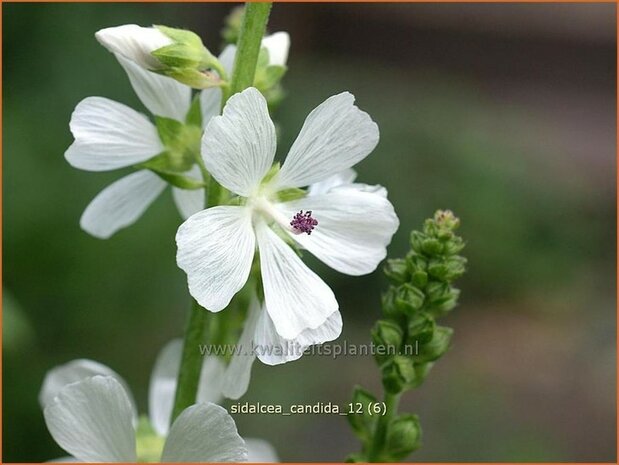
[420, 291]
[252, 29]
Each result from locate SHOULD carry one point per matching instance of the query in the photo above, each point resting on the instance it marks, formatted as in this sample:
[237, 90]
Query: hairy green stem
[248, 49]
[378, 444]
[191, 360]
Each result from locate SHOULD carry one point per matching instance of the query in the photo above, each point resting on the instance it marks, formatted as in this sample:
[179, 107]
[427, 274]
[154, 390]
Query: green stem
[380, 433]
[191, 360]
[248, 49]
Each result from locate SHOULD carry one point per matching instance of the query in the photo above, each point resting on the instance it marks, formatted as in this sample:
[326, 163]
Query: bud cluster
[420, 291]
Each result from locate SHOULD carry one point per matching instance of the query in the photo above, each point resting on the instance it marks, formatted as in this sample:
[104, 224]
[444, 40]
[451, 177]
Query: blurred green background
[503, 113]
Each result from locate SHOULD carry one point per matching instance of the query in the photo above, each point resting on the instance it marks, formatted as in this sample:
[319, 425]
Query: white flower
[91, 414]
[135, 43]
[216, 246]
[277, 44]
[260, 338]
[110, 135]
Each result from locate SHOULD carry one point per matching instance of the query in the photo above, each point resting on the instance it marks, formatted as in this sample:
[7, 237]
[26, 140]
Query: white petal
[353, 231]
[215, 249]
[361, 187]
[226, 58]
[91, 420]
[296, 298]
[204, 433]
[162, 95]
[210, 104]
[134, 42]
[110, 135]
[163, 381]
[238, 147]
[77, 370]
[238, 373]
[211, 380]
[121, 203]
[336, 135]
[277, 44]
[344, 177]
[66, 459]
[162, 387]
[188, 202]
[272, 349]
[260, 451]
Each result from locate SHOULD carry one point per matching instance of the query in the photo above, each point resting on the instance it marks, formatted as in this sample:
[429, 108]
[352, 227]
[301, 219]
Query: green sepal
[292, 193]
[198, 79]
[180, 56]
[398, 374]
[403, 436]
[420, 329]
[180, 35]
[362, 423]
[409, 299]
[387, 336]
[269, 77]
[179, 180]
[271, 173]
[436, 347]
[396, 270]
[194, 114]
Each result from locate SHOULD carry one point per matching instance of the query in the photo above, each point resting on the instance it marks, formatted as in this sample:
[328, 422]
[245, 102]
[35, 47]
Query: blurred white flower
[346, 228]
[91, 414]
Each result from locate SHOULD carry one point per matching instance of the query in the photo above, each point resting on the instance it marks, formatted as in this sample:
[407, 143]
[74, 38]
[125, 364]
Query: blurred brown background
[504, 113]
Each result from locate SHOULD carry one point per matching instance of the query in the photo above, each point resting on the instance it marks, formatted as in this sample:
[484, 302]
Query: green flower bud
[361, 422]
[448, 269]
[419, 279]
[387, 339]
[416, 240]
[397, 270]
[230, 32]
[408, 299]
[432, 247]
[403, 436]
[421, 371]
[420, 329]
[415, 262]
[398, 374]
[453, 246]
[445, 219]
[388, 302]
[436, 347]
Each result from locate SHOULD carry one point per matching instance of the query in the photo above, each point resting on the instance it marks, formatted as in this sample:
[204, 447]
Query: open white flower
[261, 339]
[212, 388]
[110, 135]
[91, 414]
[347, 228]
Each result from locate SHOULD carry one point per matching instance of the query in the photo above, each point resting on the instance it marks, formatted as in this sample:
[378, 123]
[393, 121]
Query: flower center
[303, 222]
